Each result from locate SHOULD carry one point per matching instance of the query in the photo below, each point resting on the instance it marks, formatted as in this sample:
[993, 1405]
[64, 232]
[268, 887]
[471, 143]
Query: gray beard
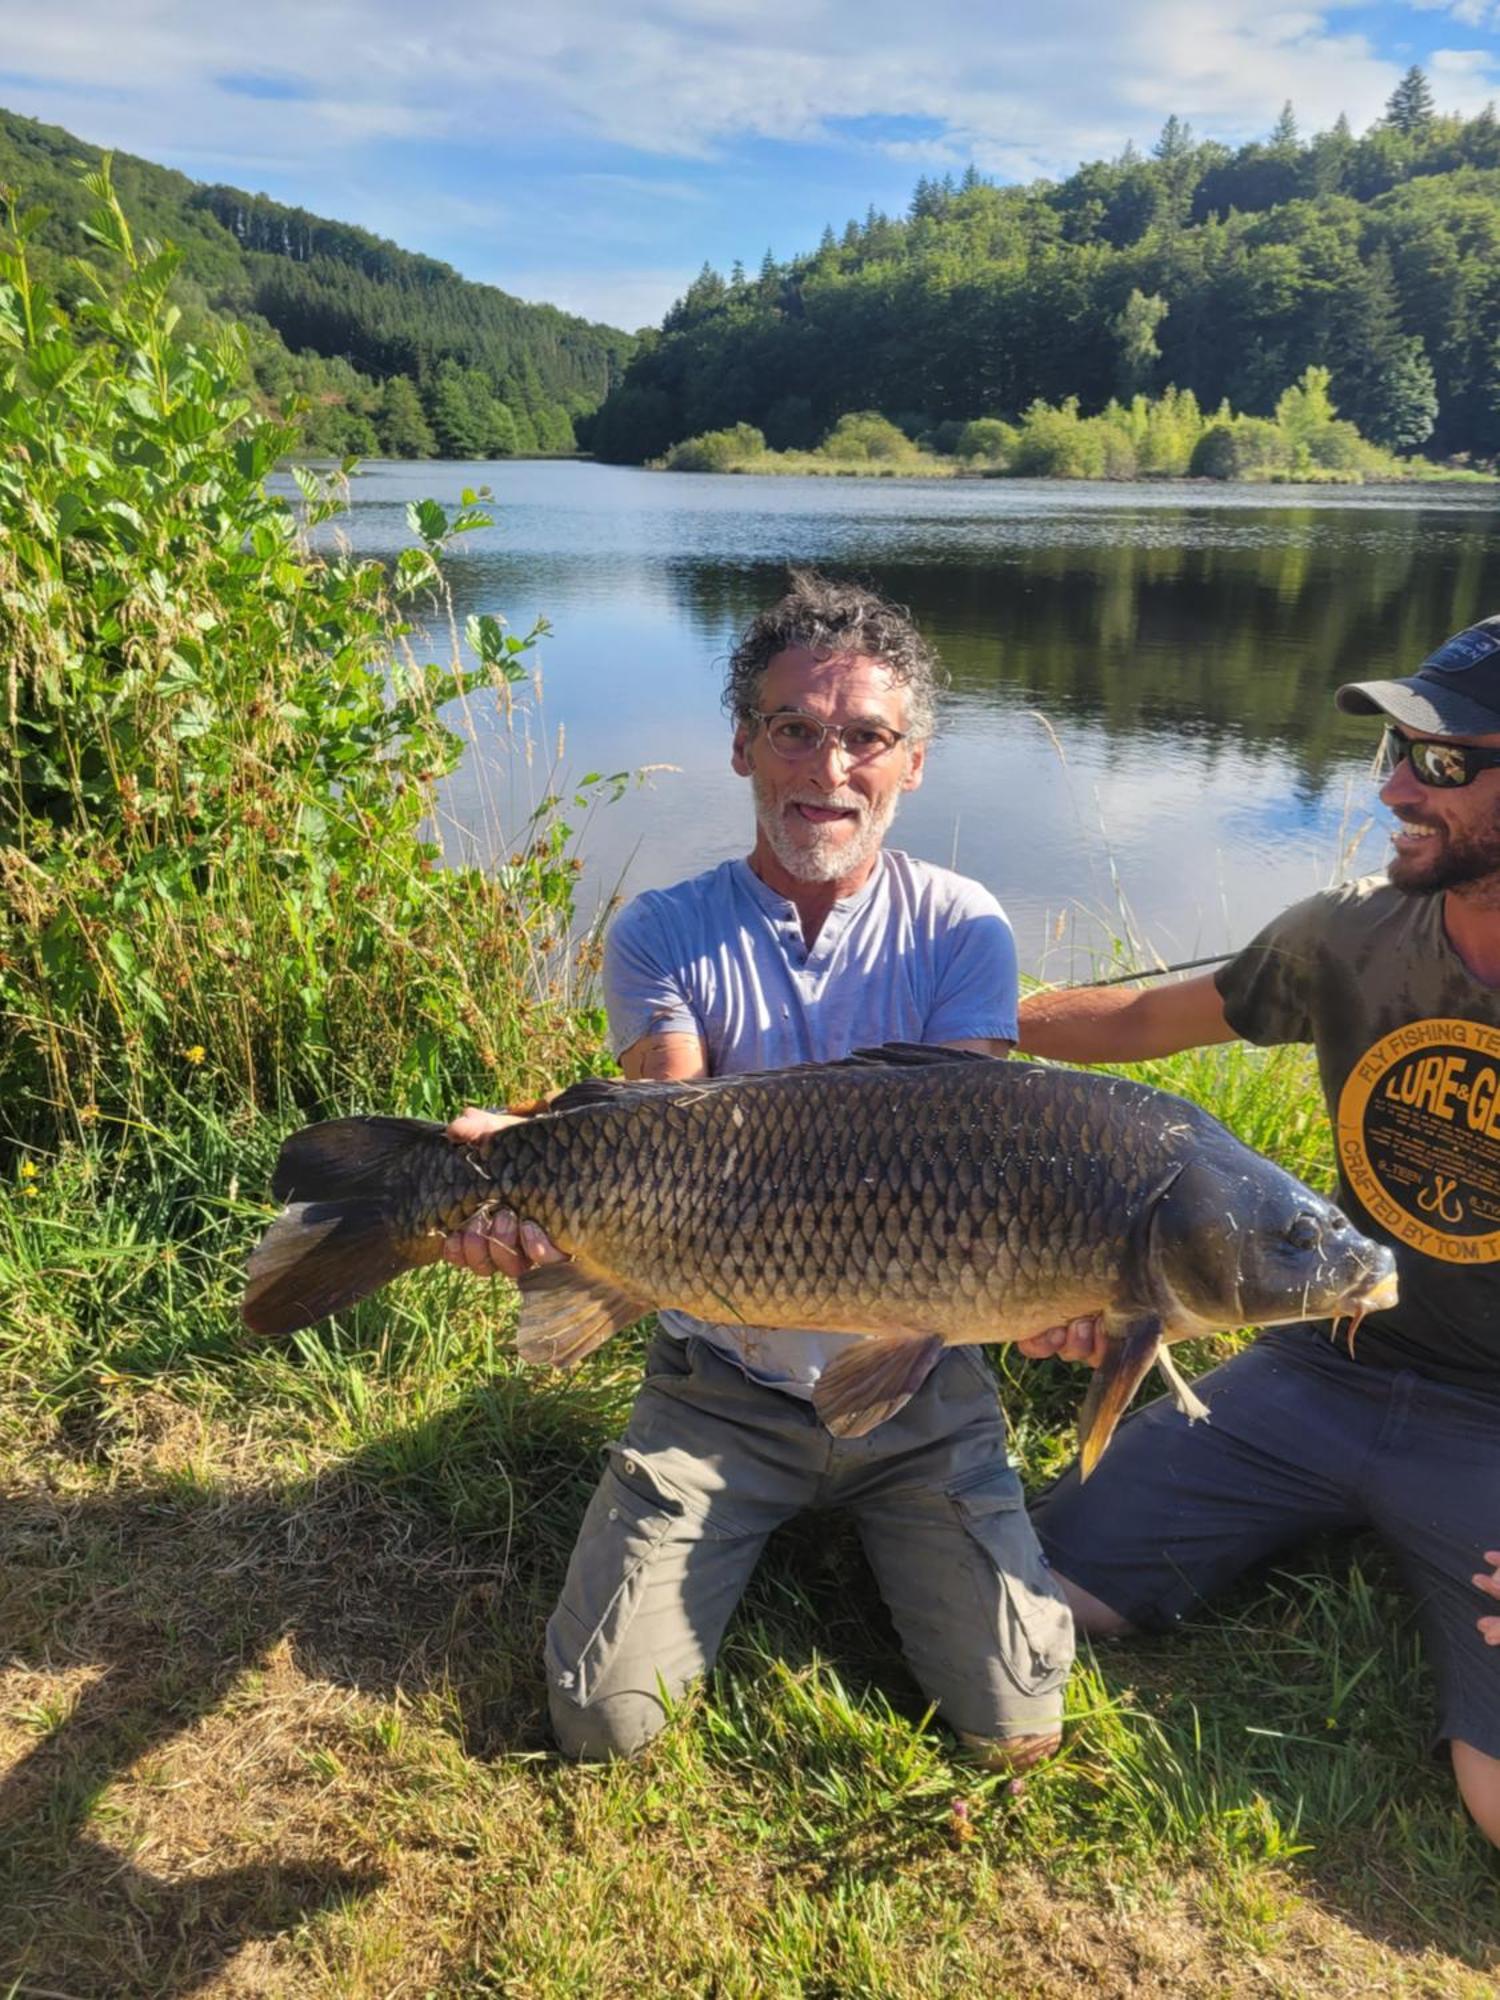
[828, 853]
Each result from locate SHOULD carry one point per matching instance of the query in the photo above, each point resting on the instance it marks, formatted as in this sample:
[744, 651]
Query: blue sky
[595, 155]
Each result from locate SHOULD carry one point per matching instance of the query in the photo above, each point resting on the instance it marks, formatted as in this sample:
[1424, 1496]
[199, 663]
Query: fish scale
[915, 1196]
[804, 1141]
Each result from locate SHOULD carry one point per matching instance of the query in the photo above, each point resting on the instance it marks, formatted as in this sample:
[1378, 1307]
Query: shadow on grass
[426, 1564]
[169, 1598]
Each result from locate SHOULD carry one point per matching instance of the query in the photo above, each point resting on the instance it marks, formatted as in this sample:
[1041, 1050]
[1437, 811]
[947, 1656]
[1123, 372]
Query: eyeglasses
[799, 737]
[1443, 766]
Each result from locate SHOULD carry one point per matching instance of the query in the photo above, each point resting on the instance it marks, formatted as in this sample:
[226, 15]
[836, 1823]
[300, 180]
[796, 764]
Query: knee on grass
[618, 1726]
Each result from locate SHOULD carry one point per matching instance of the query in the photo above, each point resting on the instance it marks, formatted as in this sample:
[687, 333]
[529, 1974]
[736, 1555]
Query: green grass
[271, 1711]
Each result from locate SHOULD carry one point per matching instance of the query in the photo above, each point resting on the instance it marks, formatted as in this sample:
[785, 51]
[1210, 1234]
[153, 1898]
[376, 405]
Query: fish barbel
[916, 1196]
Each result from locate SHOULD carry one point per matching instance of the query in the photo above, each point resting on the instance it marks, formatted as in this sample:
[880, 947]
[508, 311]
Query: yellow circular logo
[1419, 1137]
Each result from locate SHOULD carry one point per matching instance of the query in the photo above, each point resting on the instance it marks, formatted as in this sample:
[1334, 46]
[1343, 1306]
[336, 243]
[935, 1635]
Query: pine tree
[1410, 109]
[1284, 138]
[402, 429]
[1176, 140]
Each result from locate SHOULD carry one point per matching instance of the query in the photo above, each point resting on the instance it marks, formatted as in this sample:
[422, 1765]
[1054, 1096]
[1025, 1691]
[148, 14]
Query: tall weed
[218, 752]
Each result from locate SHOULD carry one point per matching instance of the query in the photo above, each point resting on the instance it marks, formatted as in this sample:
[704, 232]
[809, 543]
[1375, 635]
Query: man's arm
[675, 1058]
[1090, 1024]
[1114, 1024]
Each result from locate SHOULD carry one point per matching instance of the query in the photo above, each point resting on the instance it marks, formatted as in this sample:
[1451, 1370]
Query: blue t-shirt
[918, 954]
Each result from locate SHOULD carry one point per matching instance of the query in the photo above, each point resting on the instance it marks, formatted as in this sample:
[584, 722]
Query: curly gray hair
[830, 617]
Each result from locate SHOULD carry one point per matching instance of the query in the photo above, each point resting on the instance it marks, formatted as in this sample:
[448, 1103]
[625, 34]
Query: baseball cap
[1455, 691]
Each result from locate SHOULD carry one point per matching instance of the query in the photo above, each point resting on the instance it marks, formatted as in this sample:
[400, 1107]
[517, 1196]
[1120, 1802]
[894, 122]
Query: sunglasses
[1445, 767]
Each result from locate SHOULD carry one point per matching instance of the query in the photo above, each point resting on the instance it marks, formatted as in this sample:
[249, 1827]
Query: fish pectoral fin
[870, 1381]
[1191, 1404]
[566, 1314]
[1131, 1347]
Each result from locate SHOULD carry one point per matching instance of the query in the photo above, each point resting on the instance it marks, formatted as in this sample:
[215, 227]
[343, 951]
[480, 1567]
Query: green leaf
[427, 519]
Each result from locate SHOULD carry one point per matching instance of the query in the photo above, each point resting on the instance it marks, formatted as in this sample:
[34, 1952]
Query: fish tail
[341, 1235]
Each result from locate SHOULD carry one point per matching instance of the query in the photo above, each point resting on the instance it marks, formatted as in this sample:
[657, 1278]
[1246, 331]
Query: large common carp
[917, 1196]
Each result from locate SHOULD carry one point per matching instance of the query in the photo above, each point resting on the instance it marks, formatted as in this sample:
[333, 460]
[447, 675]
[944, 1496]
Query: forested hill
[1227, 273]
[394, 352]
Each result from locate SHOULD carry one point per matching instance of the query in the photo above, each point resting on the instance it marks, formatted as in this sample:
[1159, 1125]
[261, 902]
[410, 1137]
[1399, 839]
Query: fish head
[1241, 1243]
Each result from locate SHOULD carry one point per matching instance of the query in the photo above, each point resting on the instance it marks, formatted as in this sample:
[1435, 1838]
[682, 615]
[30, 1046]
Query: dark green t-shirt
[1408, 1047]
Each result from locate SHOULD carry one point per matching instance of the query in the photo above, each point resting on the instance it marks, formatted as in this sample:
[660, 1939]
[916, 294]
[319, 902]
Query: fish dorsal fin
[907, 1055]
[619, 1090]
[566, 1314]
[870, 1381]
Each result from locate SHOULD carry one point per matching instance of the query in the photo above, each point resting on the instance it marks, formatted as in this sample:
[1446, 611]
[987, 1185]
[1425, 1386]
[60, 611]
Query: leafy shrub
[217, 756]
[864, 435]
[1055, 443]
[716, 451]
[986, 438]
[1241, 448]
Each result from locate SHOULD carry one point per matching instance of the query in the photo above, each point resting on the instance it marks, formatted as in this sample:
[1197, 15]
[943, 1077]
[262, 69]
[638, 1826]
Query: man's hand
[495, 1243]
[1082, 1340]
[1488, 1580]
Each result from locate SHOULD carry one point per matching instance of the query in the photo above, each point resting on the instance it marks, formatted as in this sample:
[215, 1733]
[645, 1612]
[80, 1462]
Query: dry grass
[270, 1726]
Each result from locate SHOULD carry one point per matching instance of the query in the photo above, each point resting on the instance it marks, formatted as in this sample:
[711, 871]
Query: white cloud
[627, 298]
[685, 77]
[1468, 13]
[322, 98]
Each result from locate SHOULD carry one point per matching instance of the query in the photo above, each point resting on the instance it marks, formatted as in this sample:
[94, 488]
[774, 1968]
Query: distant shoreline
[938, 469]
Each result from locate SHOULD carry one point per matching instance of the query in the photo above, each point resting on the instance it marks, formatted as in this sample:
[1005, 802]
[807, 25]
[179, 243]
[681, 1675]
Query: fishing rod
[1160, 971]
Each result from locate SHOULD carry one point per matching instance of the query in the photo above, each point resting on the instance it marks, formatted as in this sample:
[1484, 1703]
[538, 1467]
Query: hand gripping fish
[912, 1196]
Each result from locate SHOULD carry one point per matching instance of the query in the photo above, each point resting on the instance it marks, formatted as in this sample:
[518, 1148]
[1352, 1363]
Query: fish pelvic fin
[1132, 1346]
[566, 1314]
[319, 1256]
[871, 1380]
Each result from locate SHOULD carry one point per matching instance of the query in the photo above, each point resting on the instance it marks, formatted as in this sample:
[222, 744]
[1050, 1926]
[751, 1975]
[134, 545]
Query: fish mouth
[1378, 1291]
[1379, 1296]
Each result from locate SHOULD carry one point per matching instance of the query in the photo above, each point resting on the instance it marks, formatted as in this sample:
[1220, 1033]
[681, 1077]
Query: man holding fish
[823, 941]
[1396, 983]
[820, 1234]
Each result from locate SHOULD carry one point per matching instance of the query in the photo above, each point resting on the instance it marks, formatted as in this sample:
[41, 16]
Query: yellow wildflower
[195, 1055]
[28, 1170]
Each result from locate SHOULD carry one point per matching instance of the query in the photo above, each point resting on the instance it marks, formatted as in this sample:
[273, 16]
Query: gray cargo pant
[711, 1462]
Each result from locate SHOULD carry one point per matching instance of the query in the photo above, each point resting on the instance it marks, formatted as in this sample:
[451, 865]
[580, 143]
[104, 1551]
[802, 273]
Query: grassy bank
[270, 1714]
[271, 1691]
[1166, 437]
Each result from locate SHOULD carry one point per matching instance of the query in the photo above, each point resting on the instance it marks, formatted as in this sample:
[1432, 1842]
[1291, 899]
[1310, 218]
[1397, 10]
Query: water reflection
[1140, 731]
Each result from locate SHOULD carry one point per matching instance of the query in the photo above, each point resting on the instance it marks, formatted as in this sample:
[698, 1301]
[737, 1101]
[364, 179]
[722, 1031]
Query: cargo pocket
[629, 1517]
[1035, 1624]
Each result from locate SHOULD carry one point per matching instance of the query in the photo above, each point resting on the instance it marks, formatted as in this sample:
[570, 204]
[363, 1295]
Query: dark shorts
[1301, 1439]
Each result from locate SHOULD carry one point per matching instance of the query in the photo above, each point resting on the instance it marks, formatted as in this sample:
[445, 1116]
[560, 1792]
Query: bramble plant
[217, 866]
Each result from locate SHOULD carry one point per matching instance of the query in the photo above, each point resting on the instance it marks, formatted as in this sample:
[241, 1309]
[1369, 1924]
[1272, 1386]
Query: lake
[1139, 743]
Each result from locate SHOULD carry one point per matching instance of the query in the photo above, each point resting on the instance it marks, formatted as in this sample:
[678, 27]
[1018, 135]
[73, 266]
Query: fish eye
[1304, 1231]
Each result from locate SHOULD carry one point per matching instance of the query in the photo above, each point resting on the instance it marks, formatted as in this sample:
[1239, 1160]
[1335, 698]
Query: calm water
[1140, 738]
